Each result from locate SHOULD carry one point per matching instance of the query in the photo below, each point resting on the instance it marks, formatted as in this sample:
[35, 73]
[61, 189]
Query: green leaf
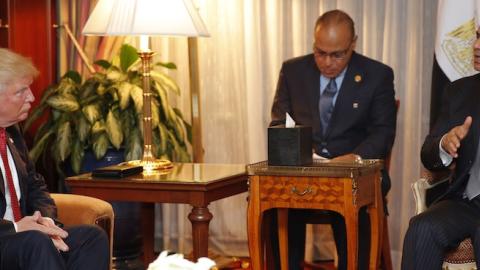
[74, 76]
[43, 129]
[188, 128]
[179, 129]
[165, 81]
[156, 143]
[176, 146]
[77, 155]
[134, 148]
[88, 89]
[98, 127]
[124, 94]
[128, 56]
[40, 146]
[83, 128]
[52, 89]
[167, 112]
[66, 103]
[37, 112]
[103, 63]
[33, 116]
[155, 113]
[168, 65]
[92, 112]
[128, 119]
[116, 75]
[163, 132]
[114, 129]
[100, 145]
[136, 93]
[63, 140]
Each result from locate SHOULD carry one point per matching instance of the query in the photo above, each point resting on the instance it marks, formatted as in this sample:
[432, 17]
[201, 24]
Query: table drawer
[306, 189]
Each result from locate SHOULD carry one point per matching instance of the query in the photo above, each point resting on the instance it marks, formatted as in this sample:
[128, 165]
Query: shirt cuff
[444, 156]
[15, 226]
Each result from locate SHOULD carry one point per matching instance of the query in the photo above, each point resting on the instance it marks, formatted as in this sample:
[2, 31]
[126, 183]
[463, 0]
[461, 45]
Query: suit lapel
[313, 76]
[475, 128]
[346, 93]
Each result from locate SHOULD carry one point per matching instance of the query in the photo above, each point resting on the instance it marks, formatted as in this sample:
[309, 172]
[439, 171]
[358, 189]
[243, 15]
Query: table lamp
[146, 18]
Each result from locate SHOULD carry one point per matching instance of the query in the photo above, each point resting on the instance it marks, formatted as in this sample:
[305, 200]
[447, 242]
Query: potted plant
[105, 111]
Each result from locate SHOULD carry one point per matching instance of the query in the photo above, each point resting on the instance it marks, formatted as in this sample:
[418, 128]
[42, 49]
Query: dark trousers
[33, 250]
[442, 227]
[296, 237]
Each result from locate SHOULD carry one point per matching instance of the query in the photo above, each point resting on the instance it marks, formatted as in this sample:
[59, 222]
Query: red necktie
[17, 214]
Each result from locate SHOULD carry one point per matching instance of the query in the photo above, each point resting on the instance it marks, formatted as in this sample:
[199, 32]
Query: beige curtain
[239, 65]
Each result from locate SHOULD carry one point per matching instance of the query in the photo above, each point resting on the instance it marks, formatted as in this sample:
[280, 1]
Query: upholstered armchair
[77, 209]
[461, 258]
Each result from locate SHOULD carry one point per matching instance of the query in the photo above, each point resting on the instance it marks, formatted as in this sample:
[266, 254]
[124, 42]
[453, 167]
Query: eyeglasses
[338, 55]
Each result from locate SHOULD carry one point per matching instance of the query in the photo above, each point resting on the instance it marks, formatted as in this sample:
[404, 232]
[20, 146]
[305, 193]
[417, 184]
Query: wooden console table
[341, 187]
[194, 184]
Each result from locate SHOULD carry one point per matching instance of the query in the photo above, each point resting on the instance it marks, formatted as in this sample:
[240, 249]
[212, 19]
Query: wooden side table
[341, 187]
[197, 184]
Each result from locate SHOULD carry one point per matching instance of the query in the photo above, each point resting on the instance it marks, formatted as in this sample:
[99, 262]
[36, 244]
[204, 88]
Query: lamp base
[154, 165]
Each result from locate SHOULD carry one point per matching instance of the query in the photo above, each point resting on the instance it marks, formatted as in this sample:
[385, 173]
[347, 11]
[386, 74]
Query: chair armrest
[419, 189]
[77, 209]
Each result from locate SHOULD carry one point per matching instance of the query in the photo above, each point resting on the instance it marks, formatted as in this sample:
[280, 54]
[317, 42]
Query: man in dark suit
[349, 101]
[30, 235]
[454, 140]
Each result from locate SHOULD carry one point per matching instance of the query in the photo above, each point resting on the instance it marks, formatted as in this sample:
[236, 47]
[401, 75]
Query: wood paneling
[30, 33]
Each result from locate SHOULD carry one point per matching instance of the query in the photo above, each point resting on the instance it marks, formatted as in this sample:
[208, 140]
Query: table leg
[200, 218]
[376, 213]
[148, 228]
[283, 237]
[351, 222]
[254, 226]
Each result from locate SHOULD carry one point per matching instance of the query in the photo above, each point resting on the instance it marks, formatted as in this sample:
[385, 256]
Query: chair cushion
[462, 254]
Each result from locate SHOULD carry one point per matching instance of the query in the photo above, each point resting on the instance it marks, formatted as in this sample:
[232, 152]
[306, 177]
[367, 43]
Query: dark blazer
[34, 194]
[460, 100]
[364, 118]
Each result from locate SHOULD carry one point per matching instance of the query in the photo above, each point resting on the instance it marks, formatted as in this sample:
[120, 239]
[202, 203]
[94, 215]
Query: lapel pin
[358, 78]
[355, 105]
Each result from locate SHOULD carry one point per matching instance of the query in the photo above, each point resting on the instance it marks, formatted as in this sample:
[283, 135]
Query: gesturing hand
[451, 140]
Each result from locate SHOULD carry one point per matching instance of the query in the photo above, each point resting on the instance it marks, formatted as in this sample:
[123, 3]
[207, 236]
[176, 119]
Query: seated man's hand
[451, 141]
[45, 225]
[57, 240]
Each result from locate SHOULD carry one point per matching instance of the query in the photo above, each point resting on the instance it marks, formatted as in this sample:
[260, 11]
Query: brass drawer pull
[308, 190]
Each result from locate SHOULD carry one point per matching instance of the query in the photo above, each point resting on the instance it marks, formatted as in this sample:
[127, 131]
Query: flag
[456, 28]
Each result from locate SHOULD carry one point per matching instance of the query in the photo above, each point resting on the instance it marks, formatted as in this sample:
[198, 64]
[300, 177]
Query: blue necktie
[326, 104]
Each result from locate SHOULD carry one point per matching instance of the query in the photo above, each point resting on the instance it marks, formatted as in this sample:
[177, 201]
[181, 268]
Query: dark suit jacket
[460, 100]
[34, 194]
[364, 118]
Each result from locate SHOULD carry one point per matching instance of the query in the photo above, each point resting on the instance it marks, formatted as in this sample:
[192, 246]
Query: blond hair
[13, 67]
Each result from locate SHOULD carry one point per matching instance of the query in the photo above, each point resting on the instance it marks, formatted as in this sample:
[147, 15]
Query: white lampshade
[145, 17]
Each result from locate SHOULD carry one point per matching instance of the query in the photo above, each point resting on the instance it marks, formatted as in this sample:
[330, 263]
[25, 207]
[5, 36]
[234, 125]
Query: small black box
[289, 146]
[117, 171]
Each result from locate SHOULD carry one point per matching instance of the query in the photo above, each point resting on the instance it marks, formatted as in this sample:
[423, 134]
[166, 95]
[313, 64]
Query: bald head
[334, 18]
